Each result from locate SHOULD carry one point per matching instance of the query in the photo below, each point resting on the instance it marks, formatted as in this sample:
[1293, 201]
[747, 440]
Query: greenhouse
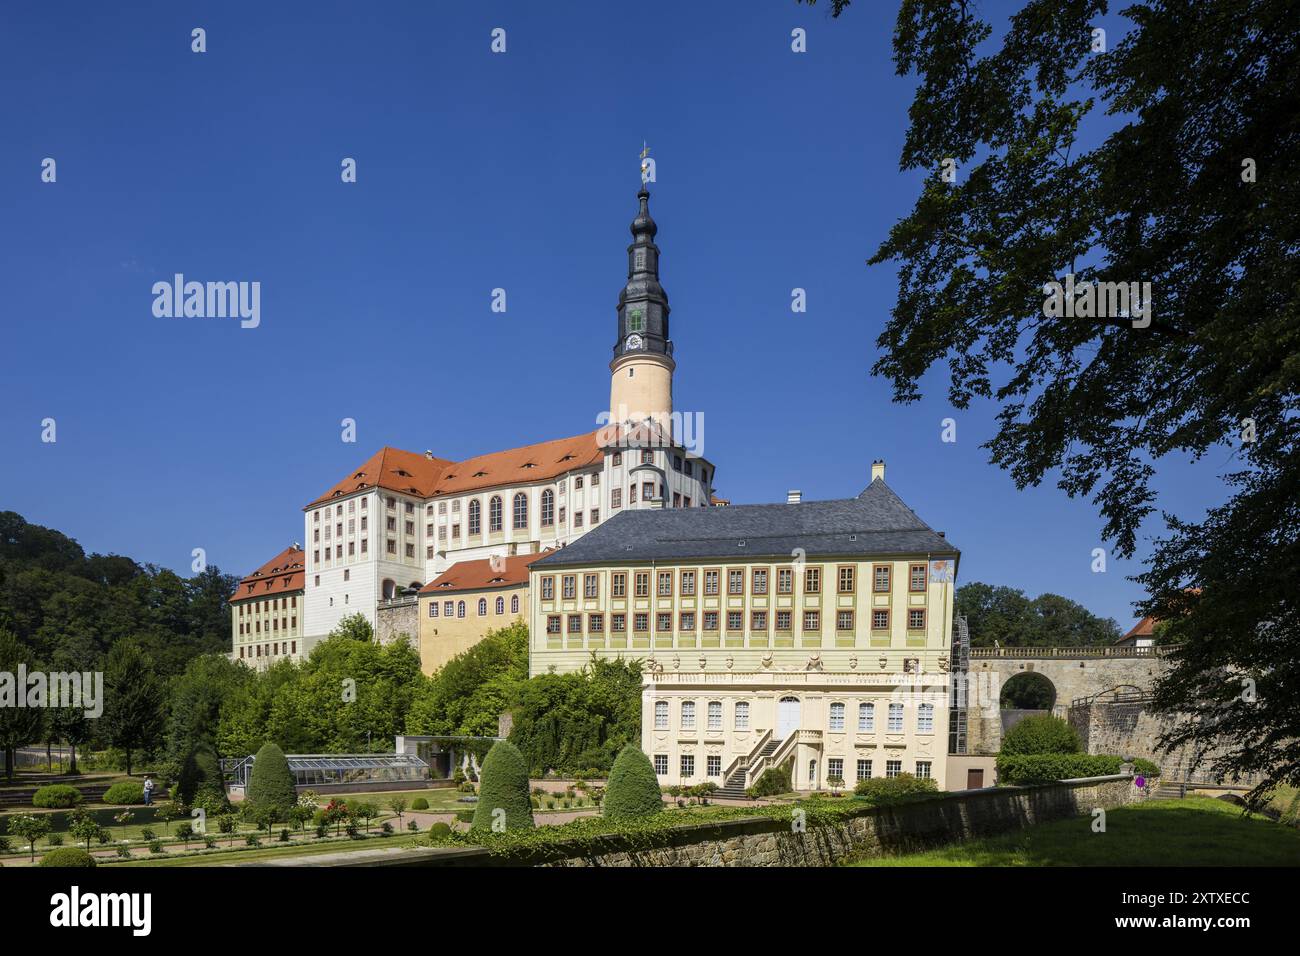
[325, 770]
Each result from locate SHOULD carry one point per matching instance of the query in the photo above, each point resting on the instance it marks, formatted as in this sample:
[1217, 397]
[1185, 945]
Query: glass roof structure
[320, 769]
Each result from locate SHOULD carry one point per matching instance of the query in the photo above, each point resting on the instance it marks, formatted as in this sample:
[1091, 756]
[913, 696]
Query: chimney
[878, 469]
[428, 453]
[297, 546]
[793, 496]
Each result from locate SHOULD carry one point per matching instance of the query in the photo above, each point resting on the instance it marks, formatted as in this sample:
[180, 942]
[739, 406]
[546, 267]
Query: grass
[240, 854]
[1196, 831]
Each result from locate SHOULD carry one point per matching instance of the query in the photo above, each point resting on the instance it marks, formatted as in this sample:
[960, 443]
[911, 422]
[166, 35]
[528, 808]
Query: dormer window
[480, 474]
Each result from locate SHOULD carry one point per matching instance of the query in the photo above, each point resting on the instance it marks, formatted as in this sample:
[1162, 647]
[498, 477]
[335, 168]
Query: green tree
[503, 799]
[270, 785]
[468, 694]
[73, 727]
[354, 627]
[83, 826]
[1188, 186]
[633, 789]
[31, 827]
[1041, 734]
[19, 726]
[1006, 616]
[133, 701]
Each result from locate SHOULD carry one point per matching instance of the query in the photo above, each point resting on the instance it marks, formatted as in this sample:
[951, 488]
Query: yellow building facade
[460, 606]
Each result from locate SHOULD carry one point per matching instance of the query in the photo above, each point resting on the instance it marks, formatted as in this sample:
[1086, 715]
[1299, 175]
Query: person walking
[148, 790]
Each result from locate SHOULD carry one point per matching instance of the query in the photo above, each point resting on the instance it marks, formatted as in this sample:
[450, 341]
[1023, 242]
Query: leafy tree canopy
[1008, 616]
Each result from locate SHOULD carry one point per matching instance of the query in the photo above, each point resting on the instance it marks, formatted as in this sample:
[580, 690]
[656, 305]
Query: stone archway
[1028, 690]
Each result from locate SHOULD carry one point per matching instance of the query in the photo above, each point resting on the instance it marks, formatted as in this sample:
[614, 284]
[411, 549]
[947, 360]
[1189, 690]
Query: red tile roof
[480, 575]
[424, 477]
[1143, 628]
[281, 575]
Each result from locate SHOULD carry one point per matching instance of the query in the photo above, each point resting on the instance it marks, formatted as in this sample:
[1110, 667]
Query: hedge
[633, 788]
[1045, 768]
[770, 782]
[882, 791]
[1041, 734]
[504, 786]
[68, 856]
[56, 796]
[125, 793]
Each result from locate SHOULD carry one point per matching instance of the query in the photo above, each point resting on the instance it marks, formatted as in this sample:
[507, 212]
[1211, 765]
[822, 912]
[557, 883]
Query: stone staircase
[733, 788]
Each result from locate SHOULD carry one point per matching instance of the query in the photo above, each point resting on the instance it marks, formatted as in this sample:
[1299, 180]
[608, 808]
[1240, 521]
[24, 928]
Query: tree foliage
[1007, 616]
[503, 800]
[633, 788]
[1170, 159]
[271, 789]
[1041, 734]
[470, 692]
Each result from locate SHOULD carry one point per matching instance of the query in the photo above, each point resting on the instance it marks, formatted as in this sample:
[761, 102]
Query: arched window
[742, 715]
[514, 604]
[482, 607]
[866, 718]
[837, 717]
[925, 719]
[390, 589]
[521, 510]
[661, 715]
[715, 715]
[688, 715]
[475, 515]
[501, 605]
[548, 507]
[494, 513]
[460, 608]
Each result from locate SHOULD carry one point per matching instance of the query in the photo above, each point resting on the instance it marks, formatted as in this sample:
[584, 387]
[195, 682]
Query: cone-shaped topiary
[633, 788]
[504, 786]
[270, 785]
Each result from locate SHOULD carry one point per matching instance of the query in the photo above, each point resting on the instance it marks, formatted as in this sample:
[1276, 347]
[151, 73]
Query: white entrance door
[787, 717]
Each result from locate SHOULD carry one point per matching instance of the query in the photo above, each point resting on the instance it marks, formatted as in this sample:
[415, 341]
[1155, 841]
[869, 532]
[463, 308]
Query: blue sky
[475, 171]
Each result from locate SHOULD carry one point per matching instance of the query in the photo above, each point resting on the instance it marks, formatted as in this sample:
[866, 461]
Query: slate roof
[876, 522]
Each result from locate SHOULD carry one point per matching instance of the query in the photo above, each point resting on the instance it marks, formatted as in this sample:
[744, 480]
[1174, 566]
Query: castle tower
[641, 373]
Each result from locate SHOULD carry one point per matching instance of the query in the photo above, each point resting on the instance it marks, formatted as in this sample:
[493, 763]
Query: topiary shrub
[125, 794]
[1041, 734]
[504, 787]
[68, 856]
[270, 785]
[439, 831]
[633, 788]
[419, 803]
[770, 782]
[881, 791]
[56, 796]
[1045, 768]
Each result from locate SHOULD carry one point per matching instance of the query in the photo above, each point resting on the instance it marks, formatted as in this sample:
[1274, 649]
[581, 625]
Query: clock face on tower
[634, 342]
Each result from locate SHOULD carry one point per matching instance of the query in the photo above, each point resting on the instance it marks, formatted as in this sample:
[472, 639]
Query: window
[837, 717]
[812, 581]
[916, 577]
[879, 620]
[591, 585]
[433, 609]
[663, 621]
[880, 578]
[407, 526]
[548, 589]
[925, 719]
[736, 581]
[595, 624]
[631, 494]
[688, 584]
[569, 586]
[835, 768]
[916, 619]
[758, 581]
[923, 770]
[687, 621]
[520, 510]
[714, 765]
[447, 608]
[616, 498]
[642, 584]
[595, 480]
[442, 507]
[783, 620]
[577, 517]
[866, 718]
[618, 458]
[688, 765]
[758, 621]
[494, 513]
[688, 715]
[715, 715]
[455, 533]
[647, 490]
[661, 715]
[548, 508]
[784, 580]
[665, 584]
[661, 765]
[893, 768]
[577, 482]
[711, 581]
[843, 620]
[895, 725]
[501, 605]
[552, 624]
[575, 624]
[742, 715]
[735, 621]
[618, 584]
[482, 607]
[812, 621]
[864, 769]
[846, 579]
[647, 458]
[514, 604]
[641, 621]
[618, 623]
[460, 608]
[475, 517]
[710, 620]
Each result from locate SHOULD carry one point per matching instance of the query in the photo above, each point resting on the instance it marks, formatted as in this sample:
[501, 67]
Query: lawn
[1197, 831]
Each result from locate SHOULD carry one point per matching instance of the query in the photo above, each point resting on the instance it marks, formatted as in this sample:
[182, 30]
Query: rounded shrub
[68, 856]
[125, 794]
[633, 788]
[1041, 735]
[440, 831]
[504, 787]
[270, 785]
[770, 782]
[419, 803]
[56, 796]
